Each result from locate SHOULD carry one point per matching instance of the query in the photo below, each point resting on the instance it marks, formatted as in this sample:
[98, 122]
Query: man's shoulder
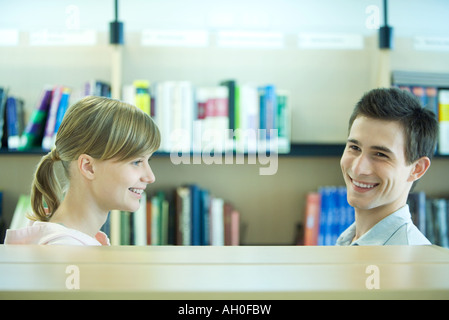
[407, 234]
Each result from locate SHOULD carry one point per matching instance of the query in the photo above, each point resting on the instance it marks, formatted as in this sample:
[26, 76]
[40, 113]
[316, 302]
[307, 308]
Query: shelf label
[246, 39]
[174, 38]
[330, 41]
[431, 43]
[9, 37]
[63, 38]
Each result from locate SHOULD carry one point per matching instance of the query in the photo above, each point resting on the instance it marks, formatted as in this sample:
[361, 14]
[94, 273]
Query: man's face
[376, 174]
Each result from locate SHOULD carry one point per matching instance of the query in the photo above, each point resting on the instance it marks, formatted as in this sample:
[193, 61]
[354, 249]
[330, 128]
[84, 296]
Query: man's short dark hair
[393, 104]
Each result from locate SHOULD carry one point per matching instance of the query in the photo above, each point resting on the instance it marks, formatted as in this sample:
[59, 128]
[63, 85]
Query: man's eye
[382, 155]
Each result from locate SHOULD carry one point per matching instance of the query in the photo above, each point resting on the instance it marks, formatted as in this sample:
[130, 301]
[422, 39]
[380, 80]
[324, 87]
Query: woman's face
[119, 184]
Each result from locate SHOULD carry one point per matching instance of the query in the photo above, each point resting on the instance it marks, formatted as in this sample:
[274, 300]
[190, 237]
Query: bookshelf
[325, 85]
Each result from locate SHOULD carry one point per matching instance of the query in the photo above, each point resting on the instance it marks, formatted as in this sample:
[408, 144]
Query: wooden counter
[245, 272]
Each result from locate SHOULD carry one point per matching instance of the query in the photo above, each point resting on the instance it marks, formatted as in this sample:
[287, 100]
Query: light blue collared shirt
[395, 229]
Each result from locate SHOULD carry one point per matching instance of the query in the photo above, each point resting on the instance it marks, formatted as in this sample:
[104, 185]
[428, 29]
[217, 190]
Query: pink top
[38, 232]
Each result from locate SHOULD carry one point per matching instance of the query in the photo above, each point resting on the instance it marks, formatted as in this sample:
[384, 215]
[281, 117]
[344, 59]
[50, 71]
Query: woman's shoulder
[49, 233]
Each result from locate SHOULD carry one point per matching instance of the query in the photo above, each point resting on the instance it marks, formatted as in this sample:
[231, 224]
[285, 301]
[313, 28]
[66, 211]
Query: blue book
[196, 214]
[12, 122]
[270, 109]
[324, 193]
[205, 217]
[63, 106]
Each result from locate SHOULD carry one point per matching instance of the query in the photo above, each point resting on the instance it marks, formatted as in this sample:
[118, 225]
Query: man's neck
[366, 219]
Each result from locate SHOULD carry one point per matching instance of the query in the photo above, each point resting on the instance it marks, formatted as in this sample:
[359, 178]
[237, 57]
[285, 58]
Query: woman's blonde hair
[100, 127]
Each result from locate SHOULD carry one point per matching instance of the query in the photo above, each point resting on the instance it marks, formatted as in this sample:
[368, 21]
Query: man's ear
[420, 167]
[86, 166]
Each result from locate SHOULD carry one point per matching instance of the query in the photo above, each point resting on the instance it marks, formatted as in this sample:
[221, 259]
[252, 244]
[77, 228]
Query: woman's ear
[86, 166]
[420, 167]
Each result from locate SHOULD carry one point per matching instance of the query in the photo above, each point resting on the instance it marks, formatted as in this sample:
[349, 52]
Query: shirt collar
[380, 233]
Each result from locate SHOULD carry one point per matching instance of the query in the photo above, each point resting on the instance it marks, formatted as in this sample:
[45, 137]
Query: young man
[391, 141]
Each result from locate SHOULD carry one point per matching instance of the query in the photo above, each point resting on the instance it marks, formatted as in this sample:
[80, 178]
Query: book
[233, 102]
[217, 222]
[195, 209]
[213, 120]
[283, 118]
[335, 215]
[3, 126]
[23, 208]
[2, 221]
[443, 119]
[47, 141]
[270, 109]
[193, 216]
[205, 216]
[247, 113]
[138, 94]
[34, 131]
[183, 217]
[97, 88]
[312, 219]
[125, 228]
[140, 223]
[219, 118]
[163, 112]
[115, 229]
[63, 106]
[14, 122]
[430, 215]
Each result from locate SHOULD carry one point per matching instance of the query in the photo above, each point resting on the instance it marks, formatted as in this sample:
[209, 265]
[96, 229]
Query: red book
[312, 219]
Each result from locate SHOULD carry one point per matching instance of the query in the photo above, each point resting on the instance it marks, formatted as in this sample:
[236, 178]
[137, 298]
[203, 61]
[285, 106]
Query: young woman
[104, 146]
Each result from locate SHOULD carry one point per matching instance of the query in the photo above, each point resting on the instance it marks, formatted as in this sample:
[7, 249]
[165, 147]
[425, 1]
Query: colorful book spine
[47, 141]
[34, 130]
[443, 119]
[194, 217]
[142, 95]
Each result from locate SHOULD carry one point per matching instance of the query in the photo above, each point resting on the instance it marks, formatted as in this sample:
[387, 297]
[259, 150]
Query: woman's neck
[78, 211]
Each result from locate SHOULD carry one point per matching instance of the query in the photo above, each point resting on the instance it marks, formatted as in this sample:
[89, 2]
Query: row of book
[11, 119]
[431, 216]
[227, 116]
[190, 215]
[45, 119]
[437, 100]
[327, 215]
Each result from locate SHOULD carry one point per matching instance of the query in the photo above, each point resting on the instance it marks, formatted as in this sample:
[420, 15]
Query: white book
[115, 227]
[443, 142]
[140, 223]
[217, 222]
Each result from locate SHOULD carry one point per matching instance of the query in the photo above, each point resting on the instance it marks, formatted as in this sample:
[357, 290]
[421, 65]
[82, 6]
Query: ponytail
[45, 189]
